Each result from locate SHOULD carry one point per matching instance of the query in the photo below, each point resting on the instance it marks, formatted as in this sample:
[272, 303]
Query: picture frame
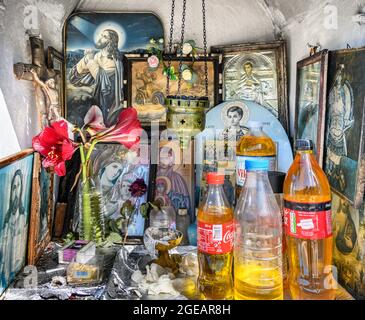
[40, 229]
[174, 183]
[56, 62]
[15, 175]
[349, 245]
[344, 158]
[310, 105]
[133, 32]
[146, 87]
[263, 75]
[116, 173]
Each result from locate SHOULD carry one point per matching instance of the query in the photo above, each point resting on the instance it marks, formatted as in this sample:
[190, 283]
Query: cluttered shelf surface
[118, 265]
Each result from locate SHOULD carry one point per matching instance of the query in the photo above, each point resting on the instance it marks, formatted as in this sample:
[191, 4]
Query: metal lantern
[186, 114]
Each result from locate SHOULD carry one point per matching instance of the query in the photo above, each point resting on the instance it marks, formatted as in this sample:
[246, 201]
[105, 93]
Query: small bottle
[258, 238]
[215, 242]
[182, 224]
[254, 145]
[308, 226]
[163, 218]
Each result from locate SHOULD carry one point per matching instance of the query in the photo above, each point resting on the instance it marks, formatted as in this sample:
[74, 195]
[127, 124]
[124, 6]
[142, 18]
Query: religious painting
[15, 202]
[174, 178]
[256, 72]
[349, 246]
[147, 87]
[344, 140]
[115, 169]
[56, 62]
[95, 44]
[310, 108]
[215, 147]
[41, 211]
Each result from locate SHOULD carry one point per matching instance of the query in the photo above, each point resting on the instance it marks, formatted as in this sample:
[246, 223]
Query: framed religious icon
[41, 211]
[174, 183]
[310, 107]
[345, 116]
[95, 43]
[349, 245]
[146, 87]
[56, 62]
[256, 72]
[15, 203]
[116, 169]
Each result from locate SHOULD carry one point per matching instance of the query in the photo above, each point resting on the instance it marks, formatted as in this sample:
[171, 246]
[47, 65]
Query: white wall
[14, 47]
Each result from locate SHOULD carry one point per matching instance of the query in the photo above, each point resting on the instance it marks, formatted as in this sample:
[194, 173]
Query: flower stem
[86, 203]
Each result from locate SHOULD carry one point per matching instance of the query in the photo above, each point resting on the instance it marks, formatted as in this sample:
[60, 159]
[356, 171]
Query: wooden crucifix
[47, 95]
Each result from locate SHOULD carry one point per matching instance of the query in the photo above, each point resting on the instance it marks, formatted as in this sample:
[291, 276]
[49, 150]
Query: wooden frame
[36, 245]
[15, 216]
[322, 58]
[279, 49]
[131, 60]
[52, 56]
[344, 161]
[148, 32]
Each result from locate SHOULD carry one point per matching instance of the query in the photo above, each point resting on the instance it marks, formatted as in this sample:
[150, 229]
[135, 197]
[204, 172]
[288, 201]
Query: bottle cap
[257, 165]
[303, 144]
[215, 178]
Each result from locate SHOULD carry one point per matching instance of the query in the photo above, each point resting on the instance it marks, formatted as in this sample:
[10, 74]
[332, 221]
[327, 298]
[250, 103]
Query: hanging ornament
[186, 114]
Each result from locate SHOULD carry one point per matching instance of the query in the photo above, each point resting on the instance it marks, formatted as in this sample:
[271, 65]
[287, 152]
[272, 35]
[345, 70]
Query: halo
[168, 183]
[113, 26]
[242, 106]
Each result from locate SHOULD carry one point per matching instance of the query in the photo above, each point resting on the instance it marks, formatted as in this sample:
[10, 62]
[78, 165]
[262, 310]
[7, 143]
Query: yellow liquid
[254, 146]
[215, 270]
[255, 282]
[310, 261]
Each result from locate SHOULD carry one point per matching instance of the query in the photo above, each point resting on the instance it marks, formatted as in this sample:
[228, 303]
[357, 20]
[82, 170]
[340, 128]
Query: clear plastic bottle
[308, 227]
[215, 242]
[163, 218]
[254, 145]
[258, 238]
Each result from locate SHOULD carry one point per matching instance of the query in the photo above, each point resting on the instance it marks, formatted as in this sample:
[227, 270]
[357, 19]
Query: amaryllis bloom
[127, 131]
[153, 61]
[138, 188]
[187, 48]
[94, 120]
[54, 144]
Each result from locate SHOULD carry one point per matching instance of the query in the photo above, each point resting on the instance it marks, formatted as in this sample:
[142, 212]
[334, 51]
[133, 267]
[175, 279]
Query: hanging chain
[181, 46]
[170, 46]
[205, 48]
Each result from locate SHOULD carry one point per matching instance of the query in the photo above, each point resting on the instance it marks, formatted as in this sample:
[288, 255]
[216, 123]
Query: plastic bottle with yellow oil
[256, 144]
[258, 238]
[308, 227]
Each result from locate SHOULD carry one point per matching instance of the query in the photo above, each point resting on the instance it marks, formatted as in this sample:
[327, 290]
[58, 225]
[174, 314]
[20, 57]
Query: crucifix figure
[47, 95]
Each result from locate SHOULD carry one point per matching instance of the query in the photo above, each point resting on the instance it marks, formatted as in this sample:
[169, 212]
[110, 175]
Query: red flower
[138, 188]
[94, 120]
[127, 131]
[55, 145]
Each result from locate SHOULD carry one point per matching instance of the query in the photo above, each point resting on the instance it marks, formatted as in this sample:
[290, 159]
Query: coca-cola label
[308, 220]
[241, 167]
[215, 238]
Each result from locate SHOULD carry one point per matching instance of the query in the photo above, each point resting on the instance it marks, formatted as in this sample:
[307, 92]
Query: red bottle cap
[215, 178]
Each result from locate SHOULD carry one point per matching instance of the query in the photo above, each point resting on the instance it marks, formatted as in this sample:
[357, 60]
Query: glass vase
[91, 209]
